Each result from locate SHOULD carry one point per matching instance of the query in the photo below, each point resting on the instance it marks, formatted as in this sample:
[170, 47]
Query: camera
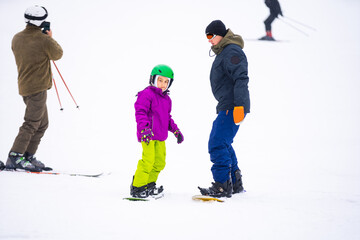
[45, 26]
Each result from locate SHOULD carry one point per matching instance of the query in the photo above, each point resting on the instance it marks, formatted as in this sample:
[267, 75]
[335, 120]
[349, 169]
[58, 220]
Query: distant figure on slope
[153, 118]
[275, 11]
[33, 51]
[2, 165]
[229, 83]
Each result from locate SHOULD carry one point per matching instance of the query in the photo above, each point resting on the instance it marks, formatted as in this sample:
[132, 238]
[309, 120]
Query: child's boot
[138, 192]
[153, 190]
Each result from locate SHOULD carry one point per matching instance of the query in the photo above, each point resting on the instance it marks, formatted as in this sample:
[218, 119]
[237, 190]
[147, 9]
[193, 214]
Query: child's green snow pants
[152, 162]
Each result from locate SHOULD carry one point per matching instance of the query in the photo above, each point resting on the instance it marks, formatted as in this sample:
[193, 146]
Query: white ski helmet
[35, 15]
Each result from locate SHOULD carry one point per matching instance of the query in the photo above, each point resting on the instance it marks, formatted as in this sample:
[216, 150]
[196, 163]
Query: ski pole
[300, 23]
[57, 93]
[289, 24]
[77, 106]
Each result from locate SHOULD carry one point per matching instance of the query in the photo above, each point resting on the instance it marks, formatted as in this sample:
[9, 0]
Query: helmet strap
[151, 80]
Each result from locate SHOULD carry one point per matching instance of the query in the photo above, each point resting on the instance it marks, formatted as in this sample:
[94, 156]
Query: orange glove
[238, 115]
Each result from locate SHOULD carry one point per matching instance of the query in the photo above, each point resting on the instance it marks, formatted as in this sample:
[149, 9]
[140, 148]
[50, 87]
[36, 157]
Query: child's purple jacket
[152, 110]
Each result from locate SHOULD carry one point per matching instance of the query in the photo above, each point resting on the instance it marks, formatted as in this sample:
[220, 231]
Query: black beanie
[216, 27]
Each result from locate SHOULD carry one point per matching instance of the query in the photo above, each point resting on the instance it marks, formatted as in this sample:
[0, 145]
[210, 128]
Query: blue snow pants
[222, 154]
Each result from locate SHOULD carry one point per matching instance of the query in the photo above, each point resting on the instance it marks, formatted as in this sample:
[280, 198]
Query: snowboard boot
[138, 192]
[32, 159]
[238, 185]
[218, 190]
[18, 161]
[153, 190]
[2, 166]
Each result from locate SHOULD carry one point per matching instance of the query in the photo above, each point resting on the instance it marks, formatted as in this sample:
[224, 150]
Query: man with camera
[33, 49]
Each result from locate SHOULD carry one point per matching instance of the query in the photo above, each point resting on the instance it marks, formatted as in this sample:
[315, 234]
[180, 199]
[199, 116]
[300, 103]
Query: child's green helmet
[162, 70]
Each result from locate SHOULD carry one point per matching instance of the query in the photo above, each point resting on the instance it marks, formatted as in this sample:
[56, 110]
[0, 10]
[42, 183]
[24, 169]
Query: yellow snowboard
[205, 198]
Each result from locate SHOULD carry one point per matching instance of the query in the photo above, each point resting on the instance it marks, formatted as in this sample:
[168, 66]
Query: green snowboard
[136, 199]
[153, 197]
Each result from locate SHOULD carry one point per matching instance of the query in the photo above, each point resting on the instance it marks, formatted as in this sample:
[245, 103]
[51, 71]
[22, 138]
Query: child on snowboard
[152, 112]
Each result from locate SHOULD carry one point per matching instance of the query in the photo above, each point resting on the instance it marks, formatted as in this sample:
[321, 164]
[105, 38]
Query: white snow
[298, 149]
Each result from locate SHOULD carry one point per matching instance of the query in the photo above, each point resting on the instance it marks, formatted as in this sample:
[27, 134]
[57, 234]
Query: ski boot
[18, 161]
[267, 38]
[218, 190]
[2, 165]
[153, 190]
[238, 185]
[32, 159]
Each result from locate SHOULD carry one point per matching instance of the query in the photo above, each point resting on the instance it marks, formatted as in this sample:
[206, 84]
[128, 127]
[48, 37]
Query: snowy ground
[298, 149]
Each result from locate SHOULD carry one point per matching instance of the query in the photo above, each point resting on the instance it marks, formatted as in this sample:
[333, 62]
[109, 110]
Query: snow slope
[298, 149]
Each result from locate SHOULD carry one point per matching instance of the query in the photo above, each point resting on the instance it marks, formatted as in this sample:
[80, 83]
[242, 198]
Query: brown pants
[35, 124]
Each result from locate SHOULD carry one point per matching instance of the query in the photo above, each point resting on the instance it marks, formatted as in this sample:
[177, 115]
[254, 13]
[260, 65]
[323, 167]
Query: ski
[59, 173]
[261, 40]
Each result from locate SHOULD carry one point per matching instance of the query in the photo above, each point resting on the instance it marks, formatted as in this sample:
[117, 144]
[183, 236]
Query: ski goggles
[210, 36]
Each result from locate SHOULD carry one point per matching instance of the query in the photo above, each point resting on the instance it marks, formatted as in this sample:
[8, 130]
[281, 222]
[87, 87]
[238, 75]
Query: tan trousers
[35, 124]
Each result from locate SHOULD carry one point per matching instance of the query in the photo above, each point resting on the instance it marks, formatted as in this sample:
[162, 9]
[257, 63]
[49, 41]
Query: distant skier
[2, 165]
[275, 11]
[229, 83]
[153, 118]
[33, 51]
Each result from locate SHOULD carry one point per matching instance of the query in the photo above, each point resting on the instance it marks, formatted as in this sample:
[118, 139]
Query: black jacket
[274, 7]
[229, 74]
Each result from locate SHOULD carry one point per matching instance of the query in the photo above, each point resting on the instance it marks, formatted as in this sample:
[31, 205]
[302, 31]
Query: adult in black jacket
[229, 83]
[275, 11]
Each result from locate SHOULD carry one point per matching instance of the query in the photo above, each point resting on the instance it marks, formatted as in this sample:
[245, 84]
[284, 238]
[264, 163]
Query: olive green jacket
[229, 38]
[33, 51]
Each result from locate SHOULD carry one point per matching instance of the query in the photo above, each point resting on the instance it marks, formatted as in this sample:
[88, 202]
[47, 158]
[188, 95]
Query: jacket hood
[32, 27]
[230, 38]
